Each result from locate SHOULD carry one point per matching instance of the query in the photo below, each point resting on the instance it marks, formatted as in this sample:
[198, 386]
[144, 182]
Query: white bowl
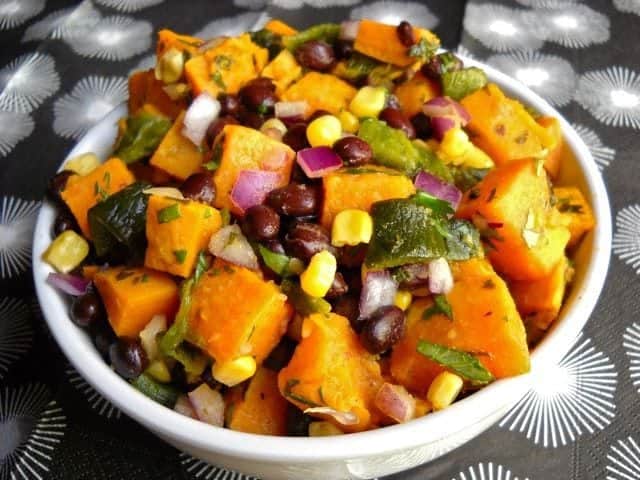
[361, 455]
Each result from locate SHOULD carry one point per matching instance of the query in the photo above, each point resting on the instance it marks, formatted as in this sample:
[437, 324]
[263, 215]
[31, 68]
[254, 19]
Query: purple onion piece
[252, 187]
[378, 290]
[316, 162]
[69, 284]
[438, 188]
[441, 125]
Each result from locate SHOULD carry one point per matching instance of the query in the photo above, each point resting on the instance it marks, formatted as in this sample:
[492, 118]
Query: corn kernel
[403, 299]
[368, 102]
[455, 142]
[351, 227]
[235, 371]
[323, 429]
[324, 131]
[82, 164]
[444, 390]
[158, 370]
[476, 158]
[274, 128]
[316, 280]
[170, 66]
[66, 252]
[349, 121]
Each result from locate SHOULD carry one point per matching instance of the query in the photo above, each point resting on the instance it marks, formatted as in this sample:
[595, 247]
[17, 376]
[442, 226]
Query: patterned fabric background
[63, 65]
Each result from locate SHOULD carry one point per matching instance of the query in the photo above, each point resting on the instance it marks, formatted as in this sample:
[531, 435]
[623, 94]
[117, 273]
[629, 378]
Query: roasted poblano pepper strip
[457, 84]
[162, 393]
[325, 31]
[281, 264]
[303, 303]
[269, 40]
[143, 134]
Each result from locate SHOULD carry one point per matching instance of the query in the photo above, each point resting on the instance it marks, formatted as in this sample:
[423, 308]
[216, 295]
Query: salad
[317, 232]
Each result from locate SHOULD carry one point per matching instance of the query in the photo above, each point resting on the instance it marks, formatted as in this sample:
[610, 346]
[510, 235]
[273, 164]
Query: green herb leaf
[169, 214]
[303, 303]
[462, 363]
[281, 264]
[423, 50]
[143, 134]
[291, 383]
[225, 216]
[215, 158]
[223, 62]
[201, 266]
[180, 255]
[460, 83]
[218, 80]
[440, 305]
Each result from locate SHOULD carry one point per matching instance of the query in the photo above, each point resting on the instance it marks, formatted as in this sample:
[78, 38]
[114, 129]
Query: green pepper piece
[142, 136]
[390, 146]
[429, 162]
[356, 67]
[460, 83]
[269, 40]
[325, 31]
[281, 264]
[463, 240]
[162, 393]
[466, 177]
[303, 303]
[119, 221]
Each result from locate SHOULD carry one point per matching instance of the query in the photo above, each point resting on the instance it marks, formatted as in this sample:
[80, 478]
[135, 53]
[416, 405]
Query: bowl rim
[413, 434]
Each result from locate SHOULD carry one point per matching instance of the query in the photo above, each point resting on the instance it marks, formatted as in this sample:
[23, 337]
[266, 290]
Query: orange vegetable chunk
[322, 92]
[245, 148]
[484, 321]
[83, 192]
[284, 70]
[557, 148]
[511, 208]
[263, 410]
[331, 368]
[280, 28]
[176, 154]
[132, 296]
[413, 93]
[575, 212]
[145, 90]
[174, 245]
[235, 312]
[344, 190]
[168, 39]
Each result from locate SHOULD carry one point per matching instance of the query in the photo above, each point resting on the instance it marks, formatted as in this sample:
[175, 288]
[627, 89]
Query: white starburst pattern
[549, 76]
[626, 239]
[629, 6]
[96, 401]
[611, 95]
[465, 52]
[487, 471]
[113, 38]
[201, 470]
[393, 13]
[31, 427]
[28, 81]
[129, 5]
[566, 399]
[313, 3]
[17, 221]
[64, 23]
[573, 26]
[602, 154]
[89, 101]
[231, 26]
[15, 332]
[624, 460]
[500, 28]
[631, 344]
[14, 127]
[14, 13]
[546, 3]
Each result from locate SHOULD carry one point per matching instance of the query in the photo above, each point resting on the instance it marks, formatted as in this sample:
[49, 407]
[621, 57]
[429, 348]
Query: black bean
[383, 329]
[316, 55]
[348, 306]
[207, 377]
[352, 256]
[251, 119]
[338, 288]
[199, 187]
[343, 49]
[422, 125]
[318, 114]
[275, 246]
[353, 277]
[87, 309]
[396, 119]
[280, 356]
[296, 136]
[304, 240]
[405, 33]
[353, 151]
[216, 127]
[260, 223]
[128, 358]
[297, 422]
[295, 199]
[57, 184]
[103, 336]
[229, 104]
[259, 95]
[64, 221]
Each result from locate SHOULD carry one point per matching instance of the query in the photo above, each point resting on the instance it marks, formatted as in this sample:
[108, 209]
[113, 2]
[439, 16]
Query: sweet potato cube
[539, 301]
[502, 127]
[284, 70]
[168, 39]
[263, 410]
[344, 190]
[575, 212]
[176, 154]
[381, 42]
[558, 147]
[280, 28]
[83, 192]
[145, 89]
[484, 321]
[132, 296]
[511, 208]
[413, 93]
[176, 233]
[248, 149]
[235, 312]
[331, 368]
[322, 92]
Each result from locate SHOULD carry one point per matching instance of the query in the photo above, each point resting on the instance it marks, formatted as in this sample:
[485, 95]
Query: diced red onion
[208, 405]
[231, 245]
[291, 111]
[316, 162]
[395, 402]
[378, 290]
[440, 277]
[69, 284]
[438, 188]
[441, 125]
[343, 418]
[184, 407]
[252, 187]
[414, 275]
[149, 335]
[349, 30]
[445, 114]
[204, 110]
